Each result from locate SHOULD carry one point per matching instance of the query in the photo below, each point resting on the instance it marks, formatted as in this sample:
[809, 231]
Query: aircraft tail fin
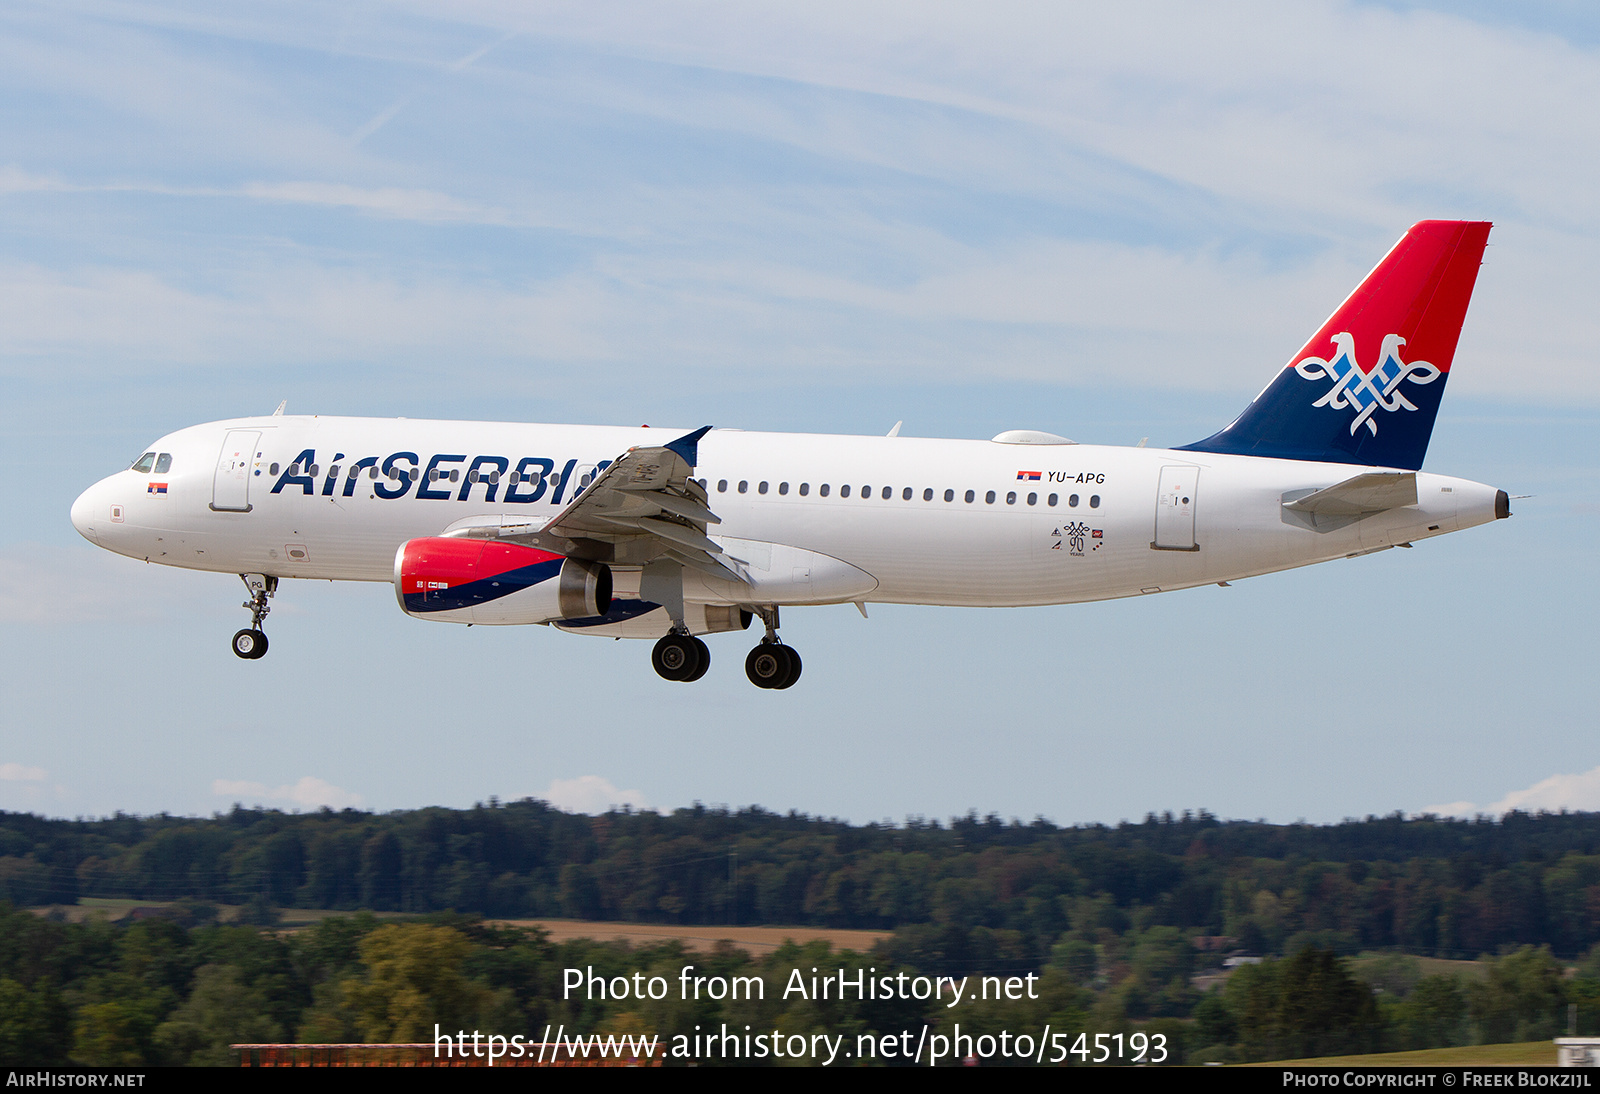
[1366, 388]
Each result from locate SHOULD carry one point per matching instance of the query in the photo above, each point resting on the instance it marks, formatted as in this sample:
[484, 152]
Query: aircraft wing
[641, 507]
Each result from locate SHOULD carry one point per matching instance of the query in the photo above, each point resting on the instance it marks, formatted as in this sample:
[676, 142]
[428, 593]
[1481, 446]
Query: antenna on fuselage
[279, 412]
[895, 432]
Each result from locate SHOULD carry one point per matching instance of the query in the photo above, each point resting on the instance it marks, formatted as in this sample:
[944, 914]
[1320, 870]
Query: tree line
[981, 892]
[160, 991]
[1120, 924]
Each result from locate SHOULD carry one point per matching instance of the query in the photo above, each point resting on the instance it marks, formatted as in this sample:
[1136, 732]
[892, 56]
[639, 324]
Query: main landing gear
[772, 664]
[682, 657]
[252, 642]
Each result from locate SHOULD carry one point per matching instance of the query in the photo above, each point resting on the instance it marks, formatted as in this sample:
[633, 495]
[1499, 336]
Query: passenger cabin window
[144, 463]
[744, 486]
[1051, 500]
[1011, 498]
[1094, 501]
[971, 497]
[762, 489]
[844, 491]
[823, 490]
[1033, 499]
[989, 498]
[163, 463]
[949, 495]
[888, 492]
[1073, 501]
[783, 488]
[722, 486]
[805, 488]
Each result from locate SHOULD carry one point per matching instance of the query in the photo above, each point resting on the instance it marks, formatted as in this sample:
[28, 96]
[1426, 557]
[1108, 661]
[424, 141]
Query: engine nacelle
[487, 581]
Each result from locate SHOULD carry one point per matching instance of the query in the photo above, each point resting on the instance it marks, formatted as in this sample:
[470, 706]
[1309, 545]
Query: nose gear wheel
[251, 643]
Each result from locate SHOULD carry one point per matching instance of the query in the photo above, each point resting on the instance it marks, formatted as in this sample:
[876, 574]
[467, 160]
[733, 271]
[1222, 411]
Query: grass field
[753, 940]
[117, 909]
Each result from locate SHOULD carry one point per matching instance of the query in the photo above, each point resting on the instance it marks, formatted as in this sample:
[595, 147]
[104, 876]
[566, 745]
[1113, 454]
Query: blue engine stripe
[621, 611]
[484, 589]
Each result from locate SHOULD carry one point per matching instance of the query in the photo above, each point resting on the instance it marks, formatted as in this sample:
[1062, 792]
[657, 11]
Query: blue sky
[819, 217]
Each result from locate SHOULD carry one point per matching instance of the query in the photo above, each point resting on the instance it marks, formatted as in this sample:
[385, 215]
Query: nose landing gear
[252, 642]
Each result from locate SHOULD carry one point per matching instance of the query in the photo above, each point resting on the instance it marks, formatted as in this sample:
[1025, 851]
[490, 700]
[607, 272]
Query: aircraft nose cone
[84, 512]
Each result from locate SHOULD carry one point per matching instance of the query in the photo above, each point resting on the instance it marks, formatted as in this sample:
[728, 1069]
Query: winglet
[687, 445]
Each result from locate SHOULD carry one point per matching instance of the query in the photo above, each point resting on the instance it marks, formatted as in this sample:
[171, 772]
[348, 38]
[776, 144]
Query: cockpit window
[146, 461]
[163, 463]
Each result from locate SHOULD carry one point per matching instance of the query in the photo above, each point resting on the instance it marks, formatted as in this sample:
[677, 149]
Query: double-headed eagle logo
[1365, 392]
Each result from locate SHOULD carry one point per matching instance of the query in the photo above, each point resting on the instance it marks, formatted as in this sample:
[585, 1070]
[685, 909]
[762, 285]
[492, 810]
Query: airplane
[673, 534]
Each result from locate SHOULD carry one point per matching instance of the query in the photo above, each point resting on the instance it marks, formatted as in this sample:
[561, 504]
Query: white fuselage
[1086, 528]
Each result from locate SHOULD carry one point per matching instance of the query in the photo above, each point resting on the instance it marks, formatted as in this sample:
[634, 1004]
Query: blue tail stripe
[1284, 423]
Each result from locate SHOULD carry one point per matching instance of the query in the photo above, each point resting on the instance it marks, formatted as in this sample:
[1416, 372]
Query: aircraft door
[230, 489]
[1175, 503]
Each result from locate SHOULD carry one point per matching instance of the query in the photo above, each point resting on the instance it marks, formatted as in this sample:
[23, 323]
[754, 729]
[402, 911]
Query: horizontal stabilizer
[1373, 492]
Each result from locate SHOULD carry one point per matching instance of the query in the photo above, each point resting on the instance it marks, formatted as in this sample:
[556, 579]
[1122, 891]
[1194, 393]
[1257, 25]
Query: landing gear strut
[252, 642]
[772, 664]
[681, 657]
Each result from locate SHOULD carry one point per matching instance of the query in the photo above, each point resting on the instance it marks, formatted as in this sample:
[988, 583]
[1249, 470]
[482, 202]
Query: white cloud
[15, 772]
[590, 794]
[387, 201]
[1201, 128]
[309, 793]
[1577, 793]
[133, 322]
[42, 584]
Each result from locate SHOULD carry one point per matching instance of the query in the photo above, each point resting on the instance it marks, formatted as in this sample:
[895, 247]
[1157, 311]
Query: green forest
[1232, 940]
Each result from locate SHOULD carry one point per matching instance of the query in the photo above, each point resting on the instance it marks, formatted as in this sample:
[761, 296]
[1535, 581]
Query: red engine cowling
[486, 581]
